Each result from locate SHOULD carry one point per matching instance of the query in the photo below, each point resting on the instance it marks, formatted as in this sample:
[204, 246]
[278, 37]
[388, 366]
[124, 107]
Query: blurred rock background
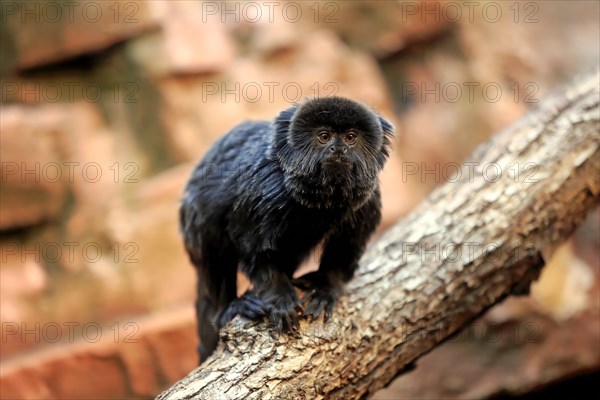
[106, 106]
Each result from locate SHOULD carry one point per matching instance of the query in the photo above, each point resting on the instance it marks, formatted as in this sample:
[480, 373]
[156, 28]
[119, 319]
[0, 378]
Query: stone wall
[106, 106]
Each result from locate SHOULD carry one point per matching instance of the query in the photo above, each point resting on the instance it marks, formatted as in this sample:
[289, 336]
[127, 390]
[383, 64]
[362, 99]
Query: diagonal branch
[470, 244]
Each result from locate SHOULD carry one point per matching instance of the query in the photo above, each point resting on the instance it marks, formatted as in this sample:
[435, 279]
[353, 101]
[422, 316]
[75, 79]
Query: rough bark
[471, 243]
[526, 345]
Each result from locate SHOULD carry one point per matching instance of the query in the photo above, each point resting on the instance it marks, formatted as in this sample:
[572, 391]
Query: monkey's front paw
[319, 301]
[283, 313]
[320, 294]
[249, 306]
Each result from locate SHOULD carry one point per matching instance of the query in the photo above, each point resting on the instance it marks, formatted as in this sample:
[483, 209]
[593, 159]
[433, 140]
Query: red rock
[389, 28]
[33, 187]
[174, 351]
[141, 368]
[124, 363]
[83, 376]
[50, 32]
[22, 384]
[191, 41]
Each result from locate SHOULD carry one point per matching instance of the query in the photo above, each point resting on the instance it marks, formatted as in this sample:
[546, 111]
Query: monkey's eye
[350, 137]
[324, 137]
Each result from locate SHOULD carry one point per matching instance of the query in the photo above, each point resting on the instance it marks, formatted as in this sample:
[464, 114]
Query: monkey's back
[211, 191]
[241, 148]
[229, 158]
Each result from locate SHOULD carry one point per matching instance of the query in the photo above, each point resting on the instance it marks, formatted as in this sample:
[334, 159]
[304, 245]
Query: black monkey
[266, 194]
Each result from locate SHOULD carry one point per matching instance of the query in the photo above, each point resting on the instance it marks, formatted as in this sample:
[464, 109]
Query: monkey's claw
[248, 306]
[283, 314]
[320, 294]
[319, 301]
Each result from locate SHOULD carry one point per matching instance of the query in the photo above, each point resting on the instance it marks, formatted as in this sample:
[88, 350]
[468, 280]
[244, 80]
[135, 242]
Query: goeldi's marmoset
[266, 194]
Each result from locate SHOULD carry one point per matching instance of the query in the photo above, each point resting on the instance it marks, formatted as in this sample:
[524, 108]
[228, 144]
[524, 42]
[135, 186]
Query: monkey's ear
[388, 134]
[386, 126]
[281, 126]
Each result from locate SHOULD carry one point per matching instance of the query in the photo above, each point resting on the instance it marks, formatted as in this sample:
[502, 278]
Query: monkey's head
[331, 143]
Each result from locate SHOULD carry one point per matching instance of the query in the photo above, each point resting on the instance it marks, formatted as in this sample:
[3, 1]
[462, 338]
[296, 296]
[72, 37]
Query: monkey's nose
[338, 149]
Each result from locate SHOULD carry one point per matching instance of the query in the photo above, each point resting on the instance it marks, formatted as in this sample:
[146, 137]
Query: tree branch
[465, 248]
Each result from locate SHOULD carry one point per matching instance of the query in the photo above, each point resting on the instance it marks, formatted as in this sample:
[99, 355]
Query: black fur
[266, 194]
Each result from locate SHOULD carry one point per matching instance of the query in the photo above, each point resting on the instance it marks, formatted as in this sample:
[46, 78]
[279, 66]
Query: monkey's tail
[216, 288]
[215, 261]
[206, 314]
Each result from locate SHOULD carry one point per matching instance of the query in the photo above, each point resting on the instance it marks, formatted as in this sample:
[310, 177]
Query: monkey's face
[333, 139]
[339, 152]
